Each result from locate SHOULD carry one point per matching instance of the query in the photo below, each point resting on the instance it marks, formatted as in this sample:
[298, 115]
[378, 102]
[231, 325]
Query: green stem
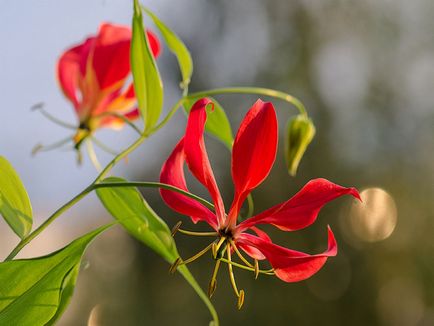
[153, 185]
[168, 116]
[253, 90]
[47, 222]
[74, 200]
[189, 278]
[119, 157]
[89, 189]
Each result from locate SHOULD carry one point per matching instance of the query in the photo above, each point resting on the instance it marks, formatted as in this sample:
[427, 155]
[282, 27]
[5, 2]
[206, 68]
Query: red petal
[290, 265]
[252, 251]
[130, 91]
[111, 58]
[197, 157]
[253, 153]
[132, 115]
[71, 67]
[173, 173]
[301, 210]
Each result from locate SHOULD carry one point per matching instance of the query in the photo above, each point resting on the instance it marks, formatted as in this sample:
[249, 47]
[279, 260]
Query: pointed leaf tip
[177, 47]
[38, 290]
[147, 81]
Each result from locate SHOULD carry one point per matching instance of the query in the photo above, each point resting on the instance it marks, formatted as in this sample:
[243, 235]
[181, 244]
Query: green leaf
[217, 123]
[128, 206]
[68, 287]
[147, 81]
[36, 291]
[15, 204]
[177, 47]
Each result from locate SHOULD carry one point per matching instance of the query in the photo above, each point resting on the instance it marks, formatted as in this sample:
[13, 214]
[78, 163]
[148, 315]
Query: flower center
[222, 249]
[226, 233]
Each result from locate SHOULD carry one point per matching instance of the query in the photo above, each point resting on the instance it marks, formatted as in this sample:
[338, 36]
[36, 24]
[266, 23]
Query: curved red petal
[114, 122]
[254, 152]
[252, 251]
[129, 93]
[290, 265]
[132, 115]
[197, 157]
[111, 57]
[302, 209]
[71, 67]
[173, 173]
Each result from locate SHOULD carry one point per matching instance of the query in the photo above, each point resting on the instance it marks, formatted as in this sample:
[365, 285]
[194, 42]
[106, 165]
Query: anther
[256, 269]
[176, 228]
[212, 287]
[213, 283]
[175, 265]
[240, 299]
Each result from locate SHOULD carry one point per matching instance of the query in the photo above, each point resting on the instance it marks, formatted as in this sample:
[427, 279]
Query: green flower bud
[299, 133]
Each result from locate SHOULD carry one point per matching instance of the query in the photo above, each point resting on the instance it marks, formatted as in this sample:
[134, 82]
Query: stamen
[40, 107]
[175, 265]
[213, 283]
[79, 156]
[198, 234]
[245, 261]
[231, 272]
[176, 228]
[104, 147]
[240, 300]
[199, 254]
[256, 269]
[266, 272]
[41, 148]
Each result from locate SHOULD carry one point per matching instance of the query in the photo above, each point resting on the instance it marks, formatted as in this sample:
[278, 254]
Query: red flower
[253, 155]
[94, 76]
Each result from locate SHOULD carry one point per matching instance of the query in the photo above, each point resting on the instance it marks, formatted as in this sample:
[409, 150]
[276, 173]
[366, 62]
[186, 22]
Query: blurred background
[364, 70]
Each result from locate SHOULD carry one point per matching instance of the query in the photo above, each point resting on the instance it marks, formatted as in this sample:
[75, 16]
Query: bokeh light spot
[375, 218]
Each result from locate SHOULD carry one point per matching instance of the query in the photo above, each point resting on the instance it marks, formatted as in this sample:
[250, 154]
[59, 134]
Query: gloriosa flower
[253, 155]
[94, 76]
